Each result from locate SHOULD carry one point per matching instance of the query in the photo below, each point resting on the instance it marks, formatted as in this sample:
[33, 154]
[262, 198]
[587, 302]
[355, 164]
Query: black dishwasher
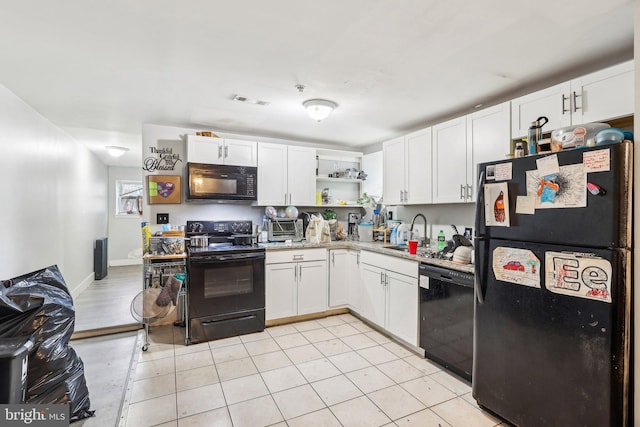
[446, 318]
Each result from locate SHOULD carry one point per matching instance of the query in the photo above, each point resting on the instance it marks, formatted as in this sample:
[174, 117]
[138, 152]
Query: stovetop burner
[219, 233]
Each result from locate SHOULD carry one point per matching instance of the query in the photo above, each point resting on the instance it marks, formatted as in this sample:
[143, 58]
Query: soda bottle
[441, 241]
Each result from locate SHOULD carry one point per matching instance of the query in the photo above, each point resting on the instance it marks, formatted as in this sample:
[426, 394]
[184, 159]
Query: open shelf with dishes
[337, 178]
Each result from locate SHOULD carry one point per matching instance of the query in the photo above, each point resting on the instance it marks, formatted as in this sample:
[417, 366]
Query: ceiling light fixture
[115, 151]
[319, 109]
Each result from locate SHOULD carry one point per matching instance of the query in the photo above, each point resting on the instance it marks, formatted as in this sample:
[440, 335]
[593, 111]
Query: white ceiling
[100, 69]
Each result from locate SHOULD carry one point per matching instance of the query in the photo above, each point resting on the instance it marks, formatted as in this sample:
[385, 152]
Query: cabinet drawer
[391, 263]
[296, 255]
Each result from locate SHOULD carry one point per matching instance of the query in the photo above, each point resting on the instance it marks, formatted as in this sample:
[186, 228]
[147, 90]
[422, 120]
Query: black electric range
[226, 286]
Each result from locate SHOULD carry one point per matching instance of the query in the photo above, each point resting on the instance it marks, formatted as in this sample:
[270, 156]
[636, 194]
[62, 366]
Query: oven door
[223, 284]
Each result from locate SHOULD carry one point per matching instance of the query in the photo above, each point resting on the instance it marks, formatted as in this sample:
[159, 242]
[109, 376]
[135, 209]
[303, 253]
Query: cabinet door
[301, 176]
[450, 161]
[312, 287]
[418, 170]
[402, 307]
[281, 294]
[488, 138]
[240, 153]
[272, 174]
[338, 277]
[394, 171]
[354, 281]
[553, 102]
[203, 149]
[372, 304]
[603, 95]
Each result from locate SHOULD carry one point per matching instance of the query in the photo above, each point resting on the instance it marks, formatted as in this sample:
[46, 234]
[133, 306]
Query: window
[129, 197]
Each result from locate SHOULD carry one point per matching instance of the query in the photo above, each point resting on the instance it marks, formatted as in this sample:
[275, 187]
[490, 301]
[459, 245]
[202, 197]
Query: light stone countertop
[370, 246]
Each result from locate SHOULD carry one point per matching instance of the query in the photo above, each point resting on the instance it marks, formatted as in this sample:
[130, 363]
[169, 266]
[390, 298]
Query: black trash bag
[39, 305]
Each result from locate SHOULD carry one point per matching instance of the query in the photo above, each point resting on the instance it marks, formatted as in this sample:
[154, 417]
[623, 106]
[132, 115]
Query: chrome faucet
[424, 235]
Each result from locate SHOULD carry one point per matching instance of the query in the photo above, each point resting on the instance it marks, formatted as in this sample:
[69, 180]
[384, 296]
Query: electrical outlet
[162, 218]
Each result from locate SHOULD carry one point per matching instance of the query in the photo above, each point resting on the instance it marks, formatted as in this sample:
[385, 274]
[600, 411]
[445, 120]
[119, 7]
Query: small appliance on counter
[282, 229]
[306, 217]
[353, 219]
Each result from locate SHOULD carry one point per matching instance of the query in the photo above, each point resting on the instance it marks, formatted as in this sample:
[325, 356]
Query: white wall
[124, 231]
[372, 165]
[54, 196]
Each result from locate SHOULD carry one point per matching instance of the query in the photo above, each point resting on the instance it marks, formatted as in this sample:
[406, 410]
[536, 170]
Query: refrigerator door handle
[479, 200]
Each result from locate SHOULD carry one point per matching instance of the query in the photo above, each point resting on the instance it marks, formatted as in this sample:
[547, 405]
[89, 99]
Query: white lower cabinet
[295, 282]
[344, 278]
[390, 295]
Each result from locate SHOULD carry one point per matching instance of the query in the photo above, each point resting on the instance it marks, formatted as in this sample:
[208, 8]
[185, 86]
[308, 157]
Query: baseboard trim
[90, 333]
[75, 292]
[121, 262]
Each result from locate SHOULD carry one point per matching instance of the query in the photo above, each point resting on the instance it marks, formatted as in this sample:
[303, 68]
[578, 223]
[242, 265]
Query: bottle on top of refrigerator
[441, 241]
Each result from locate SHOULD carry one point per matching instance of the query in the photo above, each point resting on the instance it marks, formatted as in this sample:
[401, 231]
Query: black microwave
[221, 182]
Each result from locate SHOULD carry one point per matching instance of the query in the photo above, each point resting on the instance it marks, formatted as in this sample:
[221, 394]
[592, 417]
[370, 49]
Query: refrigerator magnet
[496, 204]
[577, 275]
[519, 266]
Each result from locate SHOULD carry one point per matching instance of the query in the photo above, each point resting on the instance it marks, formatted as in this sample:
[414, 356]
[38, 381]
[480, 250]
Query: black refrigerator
[553, 288]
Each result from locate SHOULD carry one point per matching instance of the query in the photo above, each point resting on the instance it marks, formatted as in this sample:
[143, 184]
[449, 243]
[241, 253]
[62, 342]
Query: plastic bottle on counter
[441, 241]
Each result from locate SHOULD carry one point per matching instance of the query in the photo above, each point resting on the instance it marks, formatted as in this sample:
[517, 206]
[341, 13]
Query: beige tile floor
[335, 371]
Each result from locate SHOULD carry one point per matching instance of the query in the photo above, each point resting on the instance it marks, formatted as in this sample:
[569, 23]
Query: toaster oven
[281, 229]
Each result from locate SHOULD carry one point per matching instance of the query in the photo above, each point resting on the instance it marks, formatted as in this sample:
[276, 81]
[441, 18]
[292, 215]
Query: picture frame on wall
[163, 189]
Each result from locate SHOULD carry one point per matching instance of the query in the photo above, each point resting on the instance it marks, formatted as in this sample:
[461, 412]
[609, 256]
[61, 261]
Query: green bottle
[441, 241]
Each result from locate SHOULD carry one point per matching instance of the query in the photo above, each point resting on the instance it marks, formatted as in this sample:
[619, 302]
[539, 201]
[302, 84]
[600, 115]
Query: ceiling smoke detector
[319, 109]
[250, 100]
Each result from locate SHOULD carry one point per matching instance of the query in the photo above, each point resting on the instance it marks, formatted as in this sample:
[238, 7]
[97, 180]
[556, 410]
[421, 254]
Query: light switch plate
[162, 218]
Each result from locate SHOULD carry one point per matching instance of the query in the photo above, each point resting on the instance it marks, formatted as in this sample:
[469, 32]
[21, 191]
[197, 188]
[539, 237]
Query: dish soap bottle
[441, 241]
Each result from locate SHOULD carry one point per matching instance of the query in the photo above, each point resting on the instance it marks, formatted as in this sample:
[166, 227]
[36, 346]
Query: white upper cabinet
[450, 161]
[407, 169]
[488, 139]
[393, 174]
[221, 151]
[603, 95]
[286, 175]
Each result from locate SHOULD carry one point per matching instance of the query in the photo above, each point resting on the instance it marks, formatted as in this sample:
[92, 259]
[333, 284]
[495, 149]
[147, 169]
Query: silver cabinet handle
[575, 102]
[226, 151]
[295, 272]
[406, 197]
[564, 98]
[333, 259]
[469, 191]
[285, 198]
[300, 275]
[381, 280]
[461, 192]
[219, 151]
[401, 195]
[298, 257]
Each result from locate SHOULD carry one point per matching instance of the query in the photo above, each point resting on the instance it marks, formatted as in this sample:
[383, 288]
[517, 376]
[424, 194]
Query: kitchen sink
[402, 248]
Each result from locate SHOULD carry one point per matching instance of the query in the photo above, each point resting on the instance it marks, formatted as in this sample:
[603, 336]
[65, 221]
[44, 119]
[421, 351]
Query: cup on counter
[413, 246]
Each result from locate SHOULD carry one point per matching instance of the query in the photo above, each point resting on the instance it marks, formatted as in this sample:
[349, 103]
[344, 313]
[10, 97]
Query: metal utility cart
[159, 297]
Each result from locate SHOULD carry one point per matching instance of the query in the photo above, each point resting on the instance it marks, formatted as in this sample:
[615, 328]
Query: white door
[603, 95]
[553, 102]
[488, 138]
[312, 287]
[272, 174]
[301, 176]
[281, 294]
[372, 304]
[240, 153]
[339, 269]
[394, 171]
[418, 170]
[354, 281]
[402, 307]
[450, 161]
[204, 149]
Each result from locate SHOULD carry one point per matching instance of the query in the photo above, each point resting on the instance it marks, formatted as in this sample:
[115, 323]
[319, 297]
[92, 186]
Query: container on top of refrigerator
[577, 136]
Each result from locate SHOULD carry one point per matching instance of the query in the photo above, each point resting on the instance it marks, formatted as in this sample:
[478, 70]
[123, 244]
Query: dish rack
[163, 285]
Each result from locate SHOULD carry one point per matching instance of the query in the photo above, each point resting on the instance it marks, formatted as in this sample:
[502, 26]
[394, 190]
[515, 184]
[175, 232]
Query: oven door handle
[226, 258]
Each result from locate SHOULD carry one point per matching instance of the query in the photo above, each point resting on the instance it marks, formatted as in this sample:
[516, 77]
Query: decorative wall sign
[161, 159]
[519, 266]
[163, 189]
[579, 275]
